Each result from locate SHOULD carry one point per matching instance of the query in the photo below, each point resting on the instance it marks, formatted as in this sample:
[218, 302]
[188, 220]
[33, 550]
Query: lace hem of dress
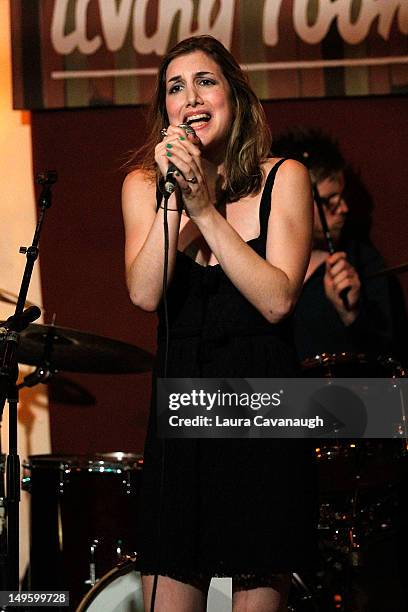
[240, 582]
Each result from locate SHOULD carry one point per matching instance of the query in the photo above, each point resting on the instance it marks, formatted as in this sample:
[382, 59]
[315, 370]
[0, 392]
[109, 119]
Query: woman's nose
[193, 96]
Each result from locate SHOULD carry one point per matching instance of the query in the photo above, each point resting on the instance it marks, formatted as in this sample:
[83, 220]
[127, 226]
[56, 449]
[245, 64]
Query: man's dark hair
[310, 146]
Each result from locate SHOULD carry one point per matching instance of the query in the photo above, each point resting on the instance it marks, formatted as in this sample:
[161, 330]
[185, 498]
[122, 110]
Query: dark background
[82, 242]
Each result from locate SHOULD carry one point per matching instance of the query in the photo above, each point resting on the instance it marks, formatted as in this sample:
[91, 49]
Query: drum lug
[119, 553]
[3, 520]
[127, 483]
[92, 580]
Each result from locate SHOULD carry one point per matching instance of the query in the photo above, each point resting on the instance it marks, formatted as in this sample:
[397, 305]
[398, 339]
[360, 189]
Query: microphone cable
[166, 354]
[166, 195]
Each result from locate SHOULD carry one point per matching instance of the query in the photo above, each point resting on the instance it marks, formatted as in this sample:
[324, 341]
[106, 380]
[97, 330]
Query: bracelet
[172, 209]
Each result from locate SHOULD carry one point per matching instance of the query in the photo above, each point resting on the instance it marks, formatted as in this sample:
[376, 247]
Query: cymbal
[77, 351]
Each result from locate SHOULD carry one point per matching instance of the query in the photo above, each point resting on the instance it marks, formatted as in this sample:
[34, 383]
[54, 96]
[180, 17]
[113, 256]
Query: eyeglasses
[331, 203]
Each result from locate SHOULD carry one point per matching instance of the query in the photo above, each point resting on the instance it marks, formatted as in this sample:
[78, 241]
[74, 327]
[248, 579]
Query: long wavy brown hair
[250, 139]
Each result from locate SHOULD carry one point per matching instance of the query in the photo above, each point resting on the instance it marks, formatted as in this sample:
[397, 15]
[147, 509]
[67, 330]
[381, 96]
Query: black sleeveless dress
[225, 506]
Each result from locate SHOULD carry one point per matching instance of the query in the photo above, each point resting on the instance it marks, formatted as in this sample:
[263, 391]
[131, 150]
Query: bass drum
[120, 590]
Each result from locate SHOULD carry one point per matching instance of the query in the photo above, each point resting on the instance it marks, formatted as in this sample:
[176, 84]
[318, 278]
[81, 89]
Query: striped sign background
[76, 53]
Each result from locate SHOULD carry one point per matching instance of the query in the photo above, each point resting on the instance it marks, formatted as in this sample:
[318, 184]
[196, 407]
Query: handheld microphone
[170, 182]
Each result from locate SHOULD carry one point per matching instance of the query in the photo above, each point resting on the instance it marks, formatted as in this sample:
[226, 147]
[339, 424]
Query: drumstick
[329, 240]
[399, 268]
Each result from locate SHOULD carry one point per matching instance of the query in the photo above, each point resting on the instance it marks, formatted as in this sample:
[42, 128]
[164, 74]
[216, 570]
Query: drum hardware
[304, 593]
[92, 565]
[358, 482]
[3, 528]
[63, 390]
[50, 348]
[402, 427]
[2, 515]
[119, 551]
[348, 526]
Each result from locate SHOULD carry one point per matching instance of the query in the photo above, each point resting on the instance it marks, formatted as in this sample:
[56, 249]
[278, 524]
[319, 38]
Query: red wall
[82, 241]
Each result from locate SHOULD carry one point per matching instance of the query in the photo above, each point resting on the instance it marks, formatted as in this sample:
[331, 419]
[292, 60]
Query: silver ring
[163, 132]
[192, 180]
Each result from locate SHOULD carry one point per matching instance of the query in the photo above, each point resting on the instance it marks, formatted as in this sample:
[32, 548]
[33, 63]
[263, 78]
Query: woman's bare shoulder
[289, 166]
[140, 178]
[138, 193]
[292, 181]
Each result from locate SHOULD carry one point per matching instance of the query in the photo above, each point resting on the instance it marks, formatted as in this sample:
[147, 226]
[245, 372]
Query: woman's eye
[175, 88]
[179, 86]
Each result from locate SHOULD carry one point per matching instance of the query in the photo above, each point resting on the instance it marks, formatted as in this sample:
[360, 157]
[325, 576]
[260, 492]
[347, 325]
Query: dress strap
[265, 204]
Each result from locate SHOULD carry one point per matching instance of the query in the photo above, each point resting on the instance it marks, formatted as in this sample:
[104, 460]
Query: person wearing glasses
[325, 322]
[353, 333]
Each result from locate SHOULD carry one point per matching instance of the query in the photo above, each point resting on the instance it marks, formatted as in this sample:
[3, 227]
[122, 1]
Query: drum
[349, 463]
[120, 590]
[358, 479]
[84, 517]
[352, 365]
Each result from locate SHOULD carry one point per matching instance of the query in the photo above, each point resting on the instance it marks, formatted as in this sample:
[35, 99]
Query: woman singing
[240, 227]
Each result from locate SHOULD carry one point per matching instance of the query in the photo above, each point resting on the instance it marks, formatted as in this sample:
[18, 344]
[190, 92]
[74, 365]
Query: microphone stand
[9, 339]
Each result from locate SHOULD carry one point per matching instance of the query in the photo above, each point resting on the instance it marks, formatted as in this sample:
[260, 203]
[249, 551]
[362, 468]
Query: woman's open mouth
[198, 120]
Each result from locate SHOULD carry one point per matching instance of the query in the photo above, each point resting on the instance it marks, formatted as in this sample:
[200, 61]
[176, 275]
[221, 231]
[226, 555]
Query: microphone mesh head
[187, 128]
